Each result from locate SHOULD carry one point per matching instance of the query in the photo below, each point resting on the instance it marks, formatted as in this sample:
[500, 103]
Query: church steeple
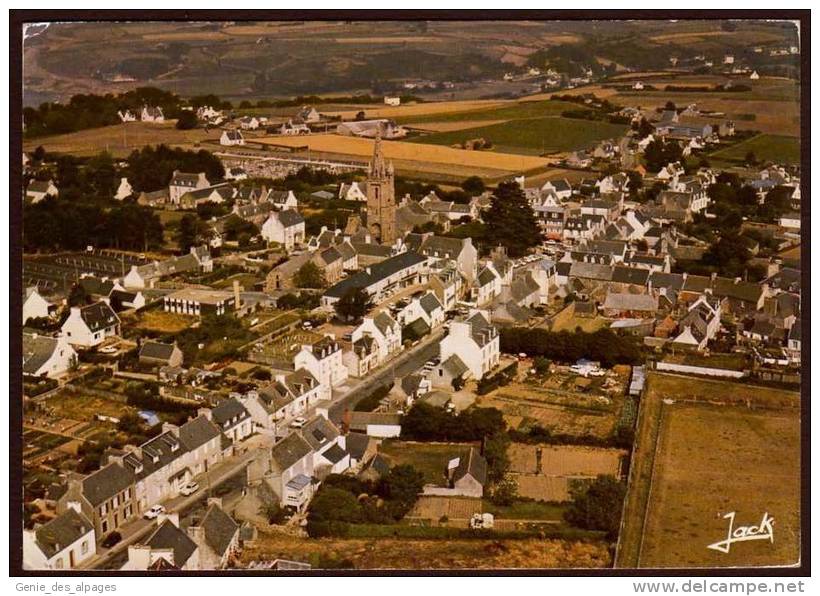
[381, 201]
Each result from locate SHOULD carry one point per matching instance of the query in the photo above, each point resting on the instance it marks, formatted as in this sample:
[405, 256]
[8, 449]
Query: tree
[473, 185]
[192, 232]
[505, 492]
[643, 128]
[309, 276]
[354, 304]
[750, 159]
[597, 506]
[659, 153]
[510, 221]
[78, 296]
[401, 486]
[335, 504]
[495, 452]
[187, 120]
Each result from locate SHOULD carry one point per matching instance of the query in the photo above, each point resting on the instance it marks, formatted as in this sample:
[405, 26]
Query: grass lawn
[766, 147]
[429, 459]
[534, 136]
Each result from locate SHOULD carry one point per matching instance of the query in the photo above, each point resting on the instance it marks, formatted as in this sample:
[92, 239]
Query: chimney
[75, 505]
[171, 517]
[215, 501]
[714, 276]
[197, 534]
[236, 299]
[205, 412]
[172, 428]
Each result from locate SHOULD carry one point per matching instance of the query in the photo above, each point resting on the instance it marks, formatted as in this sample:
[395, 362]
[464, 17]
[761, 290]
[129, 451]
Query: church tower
[381, 197]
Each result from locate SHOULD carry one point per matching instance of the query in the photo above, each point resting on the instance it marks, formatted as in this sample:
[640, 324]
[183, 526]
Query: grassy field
[532, 136]
[404, 553]
[429, 459]
[163, 322]
[696, 461]
[512, 110]
[121, 139]
[766, 147]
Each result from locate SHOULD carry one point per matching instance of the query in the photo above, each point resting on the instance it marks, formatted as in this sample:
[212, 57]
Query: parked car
[112, 539]
[298, 423]
[189, 489]
[154, 512]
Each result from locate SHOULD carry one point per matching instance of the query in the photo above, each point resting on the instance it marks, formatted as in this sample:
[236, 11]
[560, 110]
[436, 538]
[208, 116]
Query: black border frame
[17, 18]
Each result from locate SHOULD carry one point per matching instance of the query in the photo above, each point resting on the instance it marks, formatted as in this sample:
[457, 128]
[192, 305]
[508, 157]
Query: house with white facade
[352, 192]
[124, 190]
[152, 114]
[475, 341]
[285, 227]
[90, 325]
[40, 189]
[323, 360]
[34, 305]
[61, 544]
[183, 182]
[47, 356]
[231, 138]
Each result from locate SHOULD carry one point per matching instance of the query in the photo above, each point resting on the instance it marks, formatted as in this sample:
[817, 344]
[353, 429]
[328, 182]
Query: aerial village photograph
[424, 295]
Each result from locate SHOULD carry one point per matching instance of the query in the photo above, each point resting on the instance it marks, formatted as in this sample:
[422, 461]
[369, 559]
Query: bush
[371, 401]
[603, 345]
[597, 505]
[499, 379]
[429, 423]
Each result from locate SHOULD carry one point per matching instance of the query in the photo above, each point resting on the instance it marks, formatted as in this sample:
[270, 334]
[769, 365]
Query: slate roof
[106, 482]
[98, 316]
[473, 464]
[96, 286]
[481, 330]
[220, 529]
[378, 272]
[228, 413]
[156, 350]
[37, 349]
[384, 322]
[442, 246]
[429, 302]
[319, 432]
[454, 366]
[168, 536]
[289, 450]
[62, 531]
[335, 454]
[630, 275]
[290, 217]
[357, 444]
[197, 432]
[623, 301]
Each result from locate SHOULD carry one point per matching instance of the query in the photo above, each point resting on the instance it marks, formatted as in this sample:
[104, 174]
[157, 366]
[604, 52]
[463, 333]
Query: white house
[352, 192]
[40, 189]
[152, 114]
[700, 324]
[384, 330]
[60, 544]
[284, 227]
[34, 305]
[167, 547]
[183, 182]
[127, 116]
[90, 325]
[231, 137]
[124, 190]
[392, 101]
[291, 128]
[249, 123]
[323, 360]
[475, 341]
[48, 356]
[426, 307]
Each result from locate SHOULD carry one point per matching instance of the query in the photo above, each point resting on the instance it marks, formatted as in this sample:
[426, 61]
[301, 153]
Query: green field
[766, 147]
[512, 111]
[533, 136]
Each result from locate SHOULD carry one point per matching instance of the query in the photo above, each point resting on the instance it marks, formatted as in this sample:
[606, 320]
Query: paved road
[406, 363]
[139, 528]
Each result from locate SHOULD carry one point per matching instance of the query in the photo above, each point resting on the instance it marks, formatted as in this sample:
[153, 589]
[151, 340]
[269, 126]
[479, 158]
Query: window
[104, 526]
[84, 547]
[59, 564]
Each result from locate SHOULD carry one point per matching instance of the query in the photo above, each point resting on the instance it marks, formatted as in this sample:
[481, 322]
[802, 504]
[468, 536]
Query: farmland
[532, 136]
[393, 553]
[415, 157]
[713, 448]
[120, 140]
[766, 147]
[548, 472]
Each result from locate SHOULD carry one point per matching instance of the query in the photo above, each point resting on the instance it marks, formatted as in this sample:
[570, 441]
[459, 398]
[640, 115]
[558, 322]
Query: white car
[298, 423]
[108, 350]
[154, 512]
[189, 489]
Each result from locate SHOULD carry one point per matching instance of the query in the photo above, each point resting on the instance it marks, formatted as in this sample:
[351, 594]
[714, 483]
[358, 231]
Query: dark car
[112, 539]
